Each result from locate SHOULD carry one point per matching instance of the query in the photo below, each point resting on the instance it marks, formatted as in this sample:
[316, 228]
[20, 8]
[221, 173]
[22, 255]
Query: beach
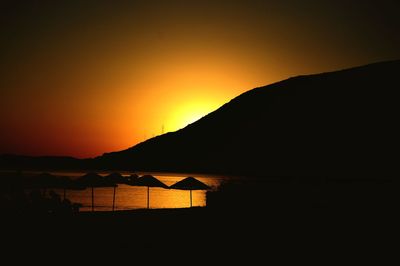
[269, 220]
[287, 235]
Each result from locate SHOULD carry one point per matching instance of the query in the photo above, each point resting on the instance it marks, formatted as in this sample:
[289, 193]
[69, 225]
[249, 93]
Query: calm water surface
[132, 197]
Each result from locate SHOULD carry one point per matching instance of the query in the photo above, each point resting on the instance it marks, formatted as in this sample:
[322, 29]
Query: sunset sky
[87, 77]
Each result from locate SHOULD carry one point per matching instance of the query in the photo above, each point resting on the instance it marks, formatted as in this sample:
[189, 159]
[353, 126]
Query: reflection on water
[132, 197]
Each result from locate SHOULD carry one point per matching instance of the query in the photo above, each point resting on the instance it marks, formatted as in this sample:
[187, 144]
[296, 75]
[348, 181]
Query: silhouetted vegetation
[35, 202]
[298, 193]
[33, 194]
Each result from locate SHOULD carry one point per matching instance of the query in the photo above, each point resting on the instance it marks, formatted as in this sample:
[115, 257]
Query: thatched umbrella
[132, 179]
[47, 181]
[44, 181]
[94, 180]
[190, 183]
[115, 178]
[148, 181]
[65, 183]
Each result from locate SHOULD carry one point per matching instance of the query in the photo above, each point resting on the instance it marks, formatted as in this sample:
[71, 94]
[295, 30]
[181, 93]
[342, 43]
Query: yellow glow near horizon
[188, 113]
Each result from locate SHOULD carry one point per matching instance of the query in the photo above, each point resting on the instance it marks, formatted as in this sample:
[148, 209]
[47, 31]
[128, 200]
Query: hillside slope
[342, 122]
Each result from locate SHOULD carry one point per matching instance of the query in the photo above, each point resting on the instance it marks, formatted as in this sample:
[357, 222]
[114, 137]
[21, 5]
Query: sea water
[135, 197]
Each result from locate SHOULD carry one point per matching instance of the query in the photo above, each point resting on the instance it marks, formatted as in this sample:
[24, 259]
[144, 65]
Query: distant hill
[343, 122]
[41, 163]
[338, 123]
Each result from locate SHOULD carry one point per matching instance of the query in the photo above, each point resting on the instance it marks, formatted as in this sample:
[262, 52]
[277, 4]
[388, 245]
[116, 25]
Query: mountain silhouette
[21, 162]
[336, 123]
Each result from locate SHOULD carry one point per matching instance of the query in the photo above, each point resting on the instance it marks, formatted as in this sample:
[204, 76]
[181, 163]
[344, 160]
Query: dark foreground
[344, 223]
[202, 234]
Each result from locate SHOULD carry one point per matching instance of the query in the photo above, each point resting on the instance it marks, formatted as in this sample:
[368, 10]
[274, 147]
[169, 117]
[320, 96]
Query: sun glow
[189, 113]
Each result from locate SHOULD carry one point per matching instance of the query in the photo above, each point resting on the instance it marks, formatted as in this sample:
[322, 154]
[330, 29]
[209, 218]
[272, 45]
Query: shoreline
[254, 234]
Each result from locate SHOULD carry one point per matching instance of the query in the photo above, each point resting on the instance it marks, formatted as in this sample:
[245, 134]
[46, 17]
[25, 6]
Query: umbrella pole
[148, 197]
[113, 200]
[92, 200]
[190, 198]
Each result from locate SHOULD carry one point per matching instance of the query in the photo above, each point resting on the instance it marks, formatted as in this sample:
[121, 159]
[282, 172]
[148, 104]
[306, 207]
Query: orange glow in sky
[82, 79]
